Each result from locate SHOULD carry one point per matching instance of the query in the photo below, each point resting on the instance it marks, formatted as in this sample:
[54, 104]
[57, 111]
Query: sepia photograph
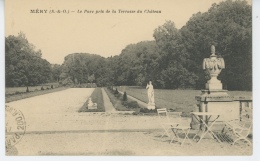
[128, 78]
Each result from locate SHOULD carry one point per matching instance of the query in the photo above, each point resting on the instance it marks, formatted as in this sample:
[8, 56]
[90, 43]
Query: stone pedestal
[92, 107]
[214, 83]
[219, 102]
[214, 99]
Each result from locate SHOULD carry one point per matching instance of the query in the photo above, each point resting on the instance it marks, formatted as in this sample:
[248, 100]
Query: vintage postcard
[128, 78]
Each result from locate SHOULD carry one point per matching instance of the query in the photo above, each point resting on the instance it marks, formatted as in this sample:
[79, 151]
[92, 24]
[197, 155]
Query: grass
[175, 100]
[15, 97]
[18, 90]
[96, 97]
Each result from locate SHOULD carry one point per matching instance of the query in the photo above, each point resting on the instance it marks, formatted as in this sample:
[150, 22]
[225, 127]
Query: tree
[91, 78]
[56, 70]
[173, 58]
[136, 64]
[228, 26]
[24, 65]
[82, 67]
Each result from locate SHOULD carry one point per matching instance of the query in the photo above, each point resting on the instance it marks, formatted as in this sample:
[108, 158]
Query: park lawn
[177, 100]
[96, 97]
[17, 90]
[19, 96]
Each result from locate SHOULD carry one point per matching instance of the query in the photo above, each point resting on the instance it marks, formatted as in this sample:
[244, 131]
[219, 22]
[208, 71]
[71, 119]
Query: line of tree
[81, 68]
[172, 60]
[23, 64]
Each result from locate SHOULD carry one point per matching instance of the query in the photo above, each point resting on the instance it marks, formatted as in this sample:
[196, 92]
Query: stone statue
[91, 105]
[150, 93]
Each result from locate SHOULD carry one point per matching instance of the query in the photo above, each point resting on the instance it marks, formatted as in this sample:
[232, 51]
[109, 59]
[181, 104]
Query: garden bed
[96, 97]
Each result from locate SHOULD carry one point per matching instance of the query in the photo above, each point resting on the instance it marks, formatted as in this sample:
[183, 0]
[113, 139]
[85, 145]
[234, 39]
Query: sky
[105, 34]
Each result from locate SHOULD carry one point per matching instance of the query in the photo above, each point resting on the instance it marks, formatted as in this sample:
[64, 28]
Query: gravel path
[54, 127]
[54, 111]
[108, 105]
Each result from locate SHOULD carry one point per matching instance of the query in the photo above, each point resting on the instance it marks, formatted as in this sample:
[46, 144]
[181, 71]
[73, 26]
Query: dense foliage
[229, 27]
[172, 60]
[23, 64]
[83, 68]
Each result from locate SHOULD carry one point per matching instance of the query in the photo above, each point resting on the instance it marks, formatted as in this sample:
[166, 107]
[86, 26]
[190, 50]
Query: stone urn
[213, 65]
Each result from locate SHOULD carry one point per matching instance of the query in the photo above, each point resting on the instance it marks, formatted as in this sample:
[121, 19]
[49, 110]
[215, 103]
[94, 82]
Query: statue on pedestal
[91, 105]
[150, 94]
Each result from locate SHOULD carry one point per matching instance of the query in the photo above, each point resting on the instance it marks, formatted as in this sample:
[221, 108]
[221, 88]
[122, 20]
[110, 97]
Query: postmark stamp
[15, 126]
